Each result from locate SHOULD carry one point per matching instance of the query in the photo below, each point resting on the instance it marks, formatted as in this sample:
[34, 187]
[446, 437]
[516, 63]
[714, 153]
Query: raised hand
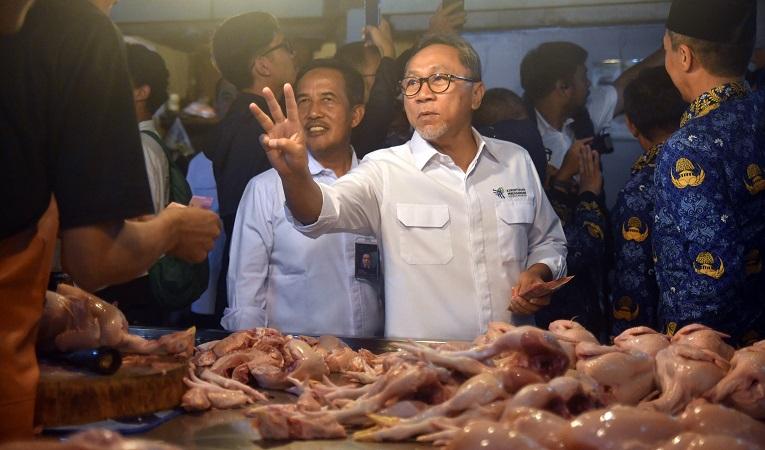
[570, 166]
[590, 178]
[284, 140]
[447, 20]
[381, 37]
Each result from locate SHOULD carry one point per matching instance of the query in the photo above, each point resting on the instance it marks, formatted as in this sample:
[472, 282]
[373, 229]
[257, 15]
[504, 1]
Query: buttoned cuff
[243, 318]
[327, 216]
[552, 259]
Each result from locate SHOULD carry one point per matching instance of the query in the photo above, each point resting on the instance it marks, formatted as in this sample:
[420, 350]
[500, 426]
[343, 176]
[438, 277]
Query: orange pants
[25, 261]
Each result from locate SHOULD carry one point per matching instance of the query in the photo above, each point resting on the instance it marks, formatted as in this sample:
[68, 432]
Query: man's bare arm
[115, 252]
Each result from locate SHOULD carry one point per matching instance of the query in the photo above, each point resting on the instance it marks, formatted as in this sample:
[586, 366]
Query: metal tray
[374, 345]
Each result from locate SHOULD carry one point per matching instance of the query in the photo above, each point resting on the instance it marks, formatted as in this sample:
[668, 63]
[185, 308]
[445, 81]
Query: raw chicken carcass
[711, 419]
[744, 385]
[571, 333]
[684, 373]
[530, 347]
[482, 389]
[621, 427]
[701, 336]
[566, 396]
[308, 363]
[287, 422]
[432, 429]
[626, 377]
[487, 435]
[642, 339]
[695, 441]
[76, 320]
[92, 439]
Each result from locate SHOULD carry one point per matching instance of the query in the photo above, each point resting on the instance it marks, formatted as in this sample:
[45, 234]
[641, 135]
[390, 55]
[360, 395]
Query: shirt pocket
[514, 217]
[425, 233]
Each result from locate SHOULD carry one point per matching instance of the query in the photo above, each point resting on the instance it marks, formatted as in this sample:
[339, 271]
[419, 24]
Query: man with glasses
[251, 52]
[463, 219]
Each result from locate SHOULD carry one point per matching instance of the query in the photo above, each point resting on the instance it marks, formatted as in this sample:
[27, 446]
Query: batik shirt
[710, 215]
[635, 294]
[585, 225]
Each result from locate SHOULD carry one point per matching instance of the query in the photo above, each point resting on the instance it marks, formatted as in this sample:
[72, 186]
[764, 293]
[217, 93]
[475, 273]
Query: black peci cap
[721, 21]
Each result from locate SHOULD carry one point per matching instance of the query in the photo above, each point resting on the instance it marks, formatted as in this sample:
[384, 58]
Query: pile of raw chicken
[513, 387]
[74, 319]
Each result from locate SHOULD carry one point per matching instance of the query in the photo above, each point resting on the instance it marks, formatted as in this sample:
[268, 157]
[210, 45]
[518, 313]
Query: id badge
[367, 261]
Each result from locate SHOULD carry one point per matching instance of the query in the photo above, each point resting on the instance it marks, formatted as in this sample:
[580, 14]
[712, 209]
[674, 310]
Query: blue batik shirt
[634, 294]
[584, 219]
[710, 216]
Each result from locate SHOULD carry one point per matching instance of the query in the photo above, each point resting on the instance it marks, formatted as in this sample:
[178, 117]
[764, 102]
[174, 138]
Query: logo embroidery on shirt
[755, 183]
[687, 174]
[704, 265]
[633, 231]
[594, 229]
[624, 309]
[509, 193]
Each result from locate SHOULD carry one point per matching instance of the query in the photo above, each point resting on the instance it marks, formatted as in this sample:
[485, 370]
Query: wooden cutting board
[142, 385]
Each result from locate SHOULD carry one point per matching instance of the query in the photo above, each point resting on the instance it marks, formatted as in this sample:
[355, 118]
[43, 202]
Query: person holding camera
[570, 114]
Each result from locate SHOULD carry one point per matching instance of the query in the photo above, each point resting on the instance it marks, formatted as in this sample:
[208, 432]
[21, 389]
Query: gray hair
[467, 54]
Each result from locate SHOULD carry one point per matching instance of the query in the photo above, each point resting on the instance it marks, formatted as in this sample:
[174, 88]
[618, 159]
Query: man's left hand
[536, 274]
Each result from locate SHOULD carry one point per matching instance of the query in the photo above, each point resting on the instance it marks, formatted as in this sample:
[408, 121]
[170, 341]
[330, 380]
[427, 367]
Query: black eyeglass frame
[285, 44]
[422, 80]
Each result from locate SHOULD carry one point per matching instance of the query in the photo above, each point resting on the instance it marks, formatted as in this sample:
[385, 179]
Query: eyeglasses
[437, 83]
[286, 45]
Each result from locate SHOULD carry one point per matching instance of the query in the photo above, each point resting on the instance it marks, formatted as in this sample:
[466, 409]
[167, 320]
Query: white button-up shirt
[279, 278]
[453, 242]
[157, 168]
[601, 105]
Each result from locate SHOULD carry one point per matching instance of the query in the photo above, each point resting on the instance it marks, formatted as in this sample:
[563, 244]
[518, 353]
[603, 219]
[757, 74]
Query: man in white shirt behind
[150, 78]
[462, 220]
[555, 83]
[278, 277]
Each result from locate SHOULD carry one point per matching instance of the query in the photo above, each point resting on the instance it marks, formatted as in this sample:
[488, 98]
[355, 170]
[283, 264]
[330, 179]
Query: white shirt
[279, 278]
[157, 167]
[601, 105]
[452, 247]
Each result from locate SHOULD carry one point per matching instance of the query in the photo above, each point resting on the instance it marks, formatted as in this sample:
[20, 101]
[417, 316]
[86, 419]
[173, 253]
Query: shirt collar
[541, 119]
[316, 168]
[712, 99]
[647, 159]
[423, 152]
[147, 125]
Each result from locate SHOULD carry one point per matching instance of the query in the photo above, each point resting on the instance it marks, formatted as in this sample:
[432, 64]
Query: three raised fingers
[273, 106]
[261, 117]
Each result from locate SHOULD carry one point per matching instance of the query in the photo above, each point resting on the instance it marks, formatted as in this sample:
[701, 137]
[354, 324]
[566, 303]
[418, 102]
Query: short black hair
[237, 41]
[354, 84]
[722, 60]
[652, 103]
[547, 64]
[499, 104]
[467, 54]
[355, 54]
[147, 68]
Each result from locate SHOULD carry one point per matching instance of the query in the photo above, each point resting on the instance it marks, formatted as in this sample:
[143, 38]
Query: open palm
[284, 140]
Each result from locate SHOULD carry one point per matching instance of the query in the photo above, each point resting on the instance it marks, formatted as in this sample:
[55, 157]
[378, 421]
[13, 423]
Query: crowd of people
[375, 194]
